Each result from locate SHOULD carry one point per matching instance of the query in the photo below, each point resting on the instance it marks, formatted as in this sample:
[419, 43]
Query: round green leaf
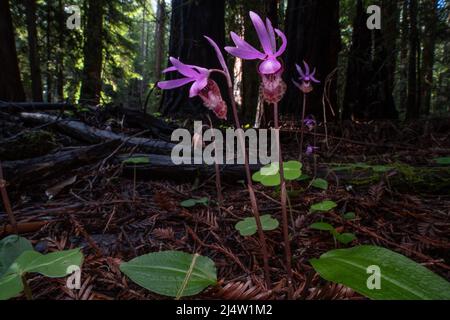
[271, 181]
[324, 206]
[189, 203]
[322, 226]
[345, 238]
[400, 277]
[442, 160]
[350, 216]
[10, 249]
[165, 272]
[320, 184]
[247, 227]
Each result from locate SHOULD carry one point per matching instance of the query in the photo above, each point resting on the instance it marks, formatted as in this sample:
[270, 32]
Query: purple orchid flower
[310, 150]
[204, 87]
[266, 34]
[310, 122]
[306, 77]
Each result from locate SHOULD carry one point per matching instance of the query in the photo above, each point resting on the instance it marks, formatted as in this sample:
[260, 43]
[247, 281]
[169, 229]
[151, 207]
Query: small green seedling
[136, 161]
[324, 206]
[247, 227]
[269, 175]
[349, 216]
[190, 203]
[344, 238]
[442, 160]
[320, 184]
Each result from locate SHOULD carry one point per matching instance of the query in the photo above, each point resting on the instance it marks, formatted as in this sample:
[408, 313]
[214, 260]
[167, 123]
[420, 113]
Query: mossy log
[425, 179]
[29, 144]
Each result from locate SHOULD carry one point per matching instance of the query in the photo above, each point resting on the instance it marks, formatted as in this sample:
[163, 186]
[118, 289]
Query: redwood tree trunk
[190, 21]
[11, 88]
[429, 44]
[413, 105]
[313, 32]
[159, 37]
[33, 51]
[91, 85]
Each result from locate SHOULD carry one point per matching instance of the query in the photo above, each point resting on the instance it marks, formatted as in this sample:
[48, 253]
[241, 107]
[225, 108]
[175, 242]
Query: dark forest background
[398, 72]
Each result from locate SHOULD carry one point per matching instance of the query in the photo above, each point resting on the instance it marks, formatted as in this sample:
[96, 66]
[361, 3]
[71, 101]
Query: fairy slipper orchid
[203, 87]
[306, 77]
[272, 86]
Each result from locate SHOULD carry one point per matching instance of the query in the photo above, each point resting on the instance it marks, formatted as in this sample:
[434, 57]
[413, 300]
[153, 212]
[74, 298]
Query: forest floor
[115, 217]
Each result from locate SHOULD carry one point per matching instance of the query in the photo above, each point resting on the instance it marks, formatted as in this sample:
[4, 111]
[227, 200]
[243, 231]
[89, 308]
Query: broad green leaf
[322, 226]
[269, 175]
[10, 286]
[247, 227]
[10, 249]
[349, 216]
[323, 206]
[292, 170]
[165, 272]
[55, 264]
[271, 181]
[189, 203]
[203, 201]
[303, 177]
[401, 277]
[442, 160]
[137, 160]
[345, 238]
[320, 184]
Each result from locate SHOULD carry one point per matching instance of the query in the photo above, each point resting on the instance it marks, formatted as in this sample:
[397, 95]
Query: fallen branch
[33, 106]
[81, 131]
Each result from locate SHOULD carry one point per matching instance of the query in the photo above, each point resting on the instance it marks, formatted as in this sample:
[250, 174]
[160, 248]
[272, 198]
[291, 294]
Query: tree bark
[33, 51]
[190, 21]
[313, 32]
[413, 104]
[403, 83]
[60, 62]
[91, 85]
[429, 44]
[159, 37]
[48, 37]
[11, 88]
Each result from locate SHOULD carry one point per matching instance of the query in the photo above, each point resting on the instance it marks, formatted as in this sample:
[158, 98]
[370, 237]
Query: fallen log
[81, 131]
[33, 106]
[41, 168]
[28, 144]
[426, 179]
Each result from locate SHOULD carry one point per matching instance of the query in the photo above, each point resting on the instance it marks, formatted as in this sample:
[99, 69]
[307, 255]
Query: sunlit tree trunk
[11, 88]
[91, 85]
[33, 51]
[159, 37]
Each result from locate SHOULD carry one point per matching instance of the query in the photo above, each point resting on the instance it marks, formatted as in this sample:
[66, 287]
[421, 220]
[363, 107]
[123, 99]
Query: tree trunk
[313, 32]
[271, 10]
[33, 51]
[413, 105]
[60, 62]
[48, 39]
[11, 88]
[368, 92]
[390, 24]
[159, 37]
[403, 83]
[91, 85]
[190, 21]
[429, 44]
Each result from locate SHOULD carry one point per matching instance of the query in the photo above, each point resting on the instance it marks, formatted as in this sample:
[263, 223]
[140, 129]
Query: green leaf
[320, 184]
[269, 175]
[292, 170]
[53, 265]
[271, 181]
[10, 249]
[401, 278]
[137, 160]
[322, 226]
[323, 206]
[165, 272]
[189, 203]
[247, 227]
[203, 201]
[381, 169]
[443, 160]
[345, 238]
[349, 216]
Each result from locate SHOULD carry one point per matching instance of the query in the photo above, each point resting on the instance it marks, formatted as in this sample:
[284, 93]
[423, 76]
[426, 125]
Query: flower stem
[26, 288]
[251, 190]
[302, 134]
[7, 203]
[287, 242]
[216, 167]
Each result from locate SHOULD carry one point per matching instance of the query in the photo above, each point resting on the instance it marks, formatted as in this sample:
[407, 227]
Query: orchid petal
[242, 53]
[307, 70]
[247, 51]
[197, 87]
[219, 54]
[300, 71]
[283, 44]
[297, 84]
[271, 32]
[169, 69]
[172, 84]
[313, 79]
[263, 35]
[184, 69]
[270, 66]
